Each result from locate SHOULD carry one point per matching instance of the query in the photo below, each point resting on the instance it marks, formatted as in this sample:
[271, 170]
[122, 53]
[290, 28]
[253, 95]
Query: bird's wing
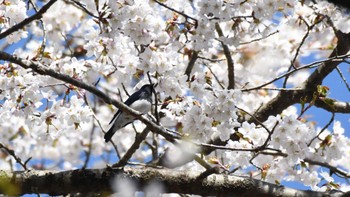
[115, 116]
[128, 102]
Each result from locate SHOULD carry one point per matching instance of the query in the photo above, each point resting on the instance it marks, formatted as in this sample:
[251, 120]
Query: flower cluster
[187, 48]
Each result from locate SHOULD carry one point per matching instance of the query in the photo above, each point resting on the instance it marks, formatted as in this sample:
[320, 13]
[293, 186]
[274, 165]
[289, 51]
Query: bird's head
[146, 90]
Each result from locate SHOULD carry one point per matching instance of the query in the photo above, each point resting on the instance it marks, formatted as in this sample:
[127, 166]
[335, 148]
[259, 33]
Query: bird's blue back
[134, 97]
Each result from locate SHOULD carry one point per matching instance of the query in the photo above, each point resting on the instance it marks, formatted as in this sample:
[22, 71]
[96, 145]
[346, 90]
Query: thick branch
[335, 106]
[26, 21]
[286, 99]
[98, 181]
[322, 71]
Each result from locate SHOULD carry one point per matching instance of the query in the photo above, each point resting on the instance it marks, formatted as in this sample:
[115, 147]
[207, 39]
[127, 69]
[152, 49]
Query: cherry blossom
[187, 49]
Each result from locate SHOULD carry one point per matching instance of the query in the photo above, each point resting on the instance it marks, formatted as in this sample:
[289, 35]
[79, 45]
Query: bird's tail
[109, 134]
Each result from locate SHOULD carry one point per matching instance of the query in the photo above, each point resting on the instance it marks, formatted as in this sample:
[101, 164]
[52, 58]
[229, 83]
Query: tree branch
[334, 169]
[136, 145]
[230, 65]
[335, 107]
[178, 12]
[315, 64]
[42, 70]
[343, 78]
[343, 47]
[26, 21]
[99, 181]
[194, 57]
[286, 99]
[309, 28]
[13, 154]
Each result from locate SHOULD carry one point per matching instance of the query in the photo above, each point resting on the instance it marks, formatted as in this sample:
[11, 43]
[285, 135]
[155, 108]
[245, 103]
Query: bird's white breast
[142, 106]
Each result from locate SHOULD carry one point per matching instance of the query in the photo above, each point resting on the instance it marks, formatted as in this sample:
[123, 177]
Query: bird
[140, 100]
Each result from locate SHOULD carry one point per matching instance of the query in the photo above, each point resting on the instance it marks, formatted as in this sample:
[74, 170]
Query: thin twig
[82, 7]
[13, 154]
[302, 41]
[28, 20]
[311, 65]
[309, 28]
[216, 78]
[126, 91]
[323, 129]
[259, 39]
[251, 162]
[230, 64]
[343, 78]
[201, 162]
[260, 123]
[100, 125]
[282, 89]
[210, 60]
[178, 12]
[256, 149]
[138, 140]
[43, 42]
[88, 152]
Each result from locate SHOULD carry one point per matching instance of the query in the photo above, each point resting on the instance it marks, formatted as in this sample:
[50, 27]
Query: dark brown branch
[230, 65]
[343, 47]
[13, 154]
[99, 181]
[136, 145]
[215, 76]
[330, 167]
[178, 12]
[26, 21]
[286, 99]
[322, 130]
[194, 57]
[82, 7]
[335, 107]
[259, 149]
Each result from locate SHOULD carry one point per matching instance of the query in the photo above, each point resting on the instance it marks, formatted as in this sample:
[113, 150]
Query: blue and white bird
[140, 101]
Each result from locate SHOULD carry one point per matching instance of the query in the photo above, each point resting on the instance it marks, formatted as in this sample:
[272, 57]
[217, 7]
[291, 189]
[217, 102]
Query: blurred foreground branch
[98, 181]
